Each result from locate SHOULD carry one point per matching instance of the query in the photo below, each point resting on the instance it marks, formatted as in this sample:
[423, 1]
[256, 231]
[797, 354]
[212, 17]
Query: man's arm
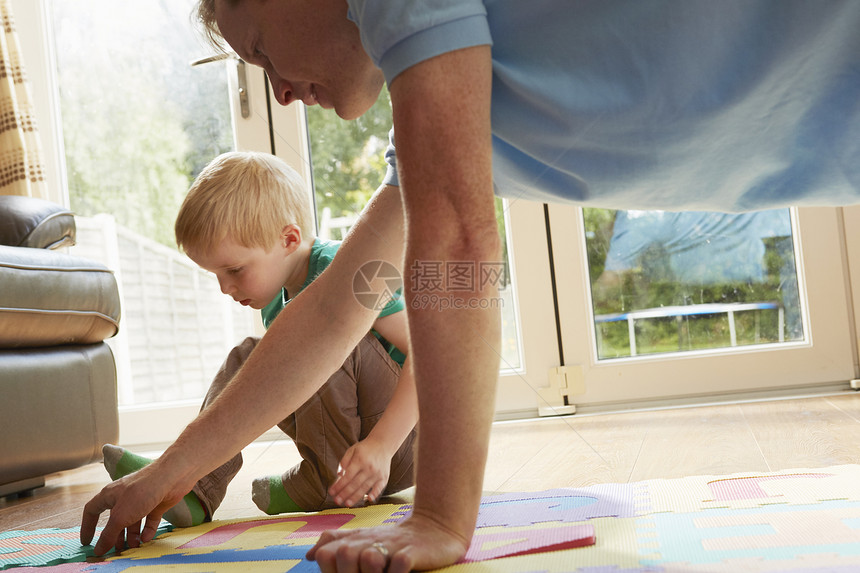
[255, 399]
[442, 125]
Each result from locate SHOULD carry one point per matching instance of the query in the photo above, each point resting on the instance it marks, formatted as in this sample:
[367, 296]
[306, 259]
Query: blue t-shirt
[322, 254]
[735, 105]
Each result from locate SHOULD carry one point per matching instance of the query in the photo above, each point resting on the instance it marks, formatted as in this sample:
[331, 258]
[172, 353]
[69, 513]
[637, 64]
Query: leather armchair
[58, 400]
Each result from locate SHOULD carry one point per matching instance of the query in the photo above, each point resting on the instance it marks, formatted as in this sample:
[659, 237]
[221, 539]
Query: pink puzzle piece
[528, 542]
[31, 545]
[735, 489]
[314, 526]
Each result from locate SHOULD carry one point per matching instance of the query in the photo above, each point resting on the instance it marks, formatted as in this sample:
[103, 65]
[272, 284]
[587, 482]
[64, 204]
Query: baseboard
[794, 393]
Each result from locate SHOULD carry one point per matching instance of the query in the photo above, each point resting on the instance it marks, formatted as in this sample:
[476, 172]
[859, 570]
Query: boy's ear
[291, 237]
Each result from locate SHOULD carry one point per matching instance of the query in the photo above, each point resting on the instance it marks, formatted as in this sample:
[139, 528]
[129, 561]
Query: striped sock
[120, 462]
[270, 496]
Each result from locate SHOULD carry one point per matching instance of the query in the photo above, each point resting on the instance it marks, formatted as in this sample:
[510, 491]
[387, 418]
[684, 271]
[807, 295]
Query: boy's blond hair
[247, 196]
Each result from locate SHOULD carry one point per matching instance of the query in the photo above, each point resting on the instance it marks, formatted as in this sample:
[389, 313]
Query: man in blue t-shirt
[733, 106]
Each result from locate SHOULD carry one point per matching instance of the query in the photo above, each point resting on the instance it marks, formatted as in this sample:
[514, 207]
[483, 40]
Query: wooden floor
[573, 451]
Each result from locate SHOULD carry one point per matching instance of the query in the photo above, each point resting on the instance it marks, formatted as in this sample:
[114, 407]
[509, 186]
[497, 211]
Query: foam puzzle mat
[793, 521]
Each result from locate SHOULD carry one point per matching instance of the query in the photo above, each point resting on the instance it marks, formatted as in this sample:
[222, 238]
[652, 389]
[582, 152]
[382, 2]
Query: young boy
[247, 219]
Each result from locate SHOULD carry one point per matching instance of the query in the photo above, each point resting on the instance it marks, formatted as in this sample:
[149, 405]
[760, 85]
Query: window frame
[825, 361]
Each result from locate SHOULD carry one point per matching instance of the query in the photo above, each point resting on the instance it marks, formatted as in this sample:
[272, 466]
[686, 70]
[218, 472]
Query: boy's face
[252, 276]
[310, 51]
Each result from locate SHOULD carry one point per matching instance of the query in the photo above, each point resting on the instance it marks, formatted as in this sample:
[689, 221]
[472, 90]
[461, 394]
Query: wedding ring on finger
[381, 548]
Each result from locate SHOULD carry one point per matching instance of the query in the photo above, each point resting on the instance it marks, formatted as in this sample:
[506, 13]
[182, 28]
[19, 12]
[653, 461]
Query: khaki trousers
[340, 414]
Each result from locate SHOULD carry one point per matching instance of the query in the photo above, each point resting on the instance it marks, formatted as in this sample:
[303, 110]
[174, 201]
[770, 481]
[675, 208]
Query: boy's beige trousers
[340, 414]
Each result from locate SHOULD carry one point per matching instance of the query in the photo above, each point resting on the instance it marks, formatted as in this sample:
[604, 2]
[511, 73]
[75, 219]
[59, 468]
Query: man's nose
[284, 92]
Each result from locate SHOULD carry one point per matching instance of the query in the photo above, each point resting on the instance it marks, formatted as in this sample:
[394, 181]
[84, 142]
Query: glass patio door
[129, 122]
[346, 159]
[658, 306]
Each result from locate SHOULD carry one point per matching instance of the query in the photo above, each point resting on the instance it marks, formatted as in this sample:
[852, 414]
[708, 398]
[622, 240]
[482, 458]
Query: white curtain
[22, 170]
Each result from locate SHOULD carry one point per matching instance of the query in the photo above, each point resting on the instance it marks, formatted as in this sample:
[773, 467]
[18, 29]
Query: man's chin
[355, 108]
[348, 115]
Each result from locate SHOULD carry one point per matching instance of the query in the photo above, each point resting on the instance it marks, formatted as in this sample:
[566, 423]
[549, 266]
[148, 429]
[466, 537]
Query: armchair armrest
[36, 223]
[50, 298]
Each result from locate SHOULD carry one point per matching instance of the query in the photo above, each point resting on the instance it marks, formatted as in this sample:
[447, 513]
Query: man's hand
[416, 543]
[138, 498]
[363, 471]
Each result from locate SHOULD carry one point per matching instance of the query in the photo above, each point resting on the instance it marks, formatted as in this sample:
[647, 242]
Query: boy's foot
[120, 462]
[270, 496]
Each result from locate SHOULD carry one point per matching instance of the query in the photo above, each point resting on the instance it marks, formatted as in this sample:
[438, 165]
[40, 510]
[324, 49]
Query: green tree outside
[139, 123]
[349, 164]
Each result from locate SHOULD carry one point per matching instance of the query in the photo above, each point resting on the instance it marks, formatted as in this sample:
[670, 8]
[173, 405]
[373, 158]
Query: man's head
[246, 196]
[310, 50]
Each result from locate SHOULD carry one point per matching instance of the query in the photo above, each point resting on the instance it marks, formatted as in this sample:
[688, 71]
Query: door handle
[242, 82]
[241, 79]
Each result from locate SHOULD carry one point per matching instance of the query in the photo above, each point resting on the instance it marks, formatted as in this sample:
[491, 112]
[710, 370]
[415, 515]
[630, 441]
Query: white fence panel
[176, 326]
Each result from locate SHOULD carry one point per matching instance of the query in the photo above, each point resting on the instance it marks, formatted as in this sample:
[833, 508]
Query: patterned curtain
[21, 168]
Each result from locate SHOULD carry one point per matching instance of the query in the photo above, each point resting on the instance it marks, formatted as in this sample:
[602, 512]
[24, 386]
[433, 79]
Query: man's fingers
[88, 526]
[115, 536]
[415, 543]
[92, 511]
[108, 538]
[119, 546]
[132, 535]
[326, 538]
[401, 562]
[151, 527]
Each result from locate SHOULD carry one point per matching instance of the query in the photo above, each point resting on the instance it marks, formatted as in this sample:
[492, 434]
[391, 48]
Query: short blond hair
[247, 196]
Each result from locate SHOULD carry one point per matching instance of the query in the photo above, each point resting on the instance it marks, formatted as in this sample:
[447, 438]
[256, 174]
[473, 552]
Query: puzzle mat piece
[274, 559]
[816, 563]
[487, 539]
[251, 534]
[287, 538]
[612, 556]
[775, 532]
[495, 543]
[41, 547]
[45, 547]
[617, 548]
[569, 505]
[562, 563]
[747, 490]
[62, 568]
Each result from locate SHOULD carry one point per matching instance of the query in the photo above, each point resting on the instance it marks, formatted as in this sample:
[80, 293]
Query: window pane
[348, 163]
[676, 282]
[348, 166]
[139, 123]
[511, 338]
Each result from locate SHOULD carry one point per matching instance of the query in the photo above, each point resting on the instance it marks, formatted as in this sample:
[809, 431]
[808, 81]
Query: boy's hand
[364, 470]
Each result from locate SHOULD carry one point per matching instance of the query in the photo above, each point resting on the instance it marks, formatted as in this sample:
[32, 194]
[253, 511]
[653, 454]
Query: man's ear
[291, 238]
